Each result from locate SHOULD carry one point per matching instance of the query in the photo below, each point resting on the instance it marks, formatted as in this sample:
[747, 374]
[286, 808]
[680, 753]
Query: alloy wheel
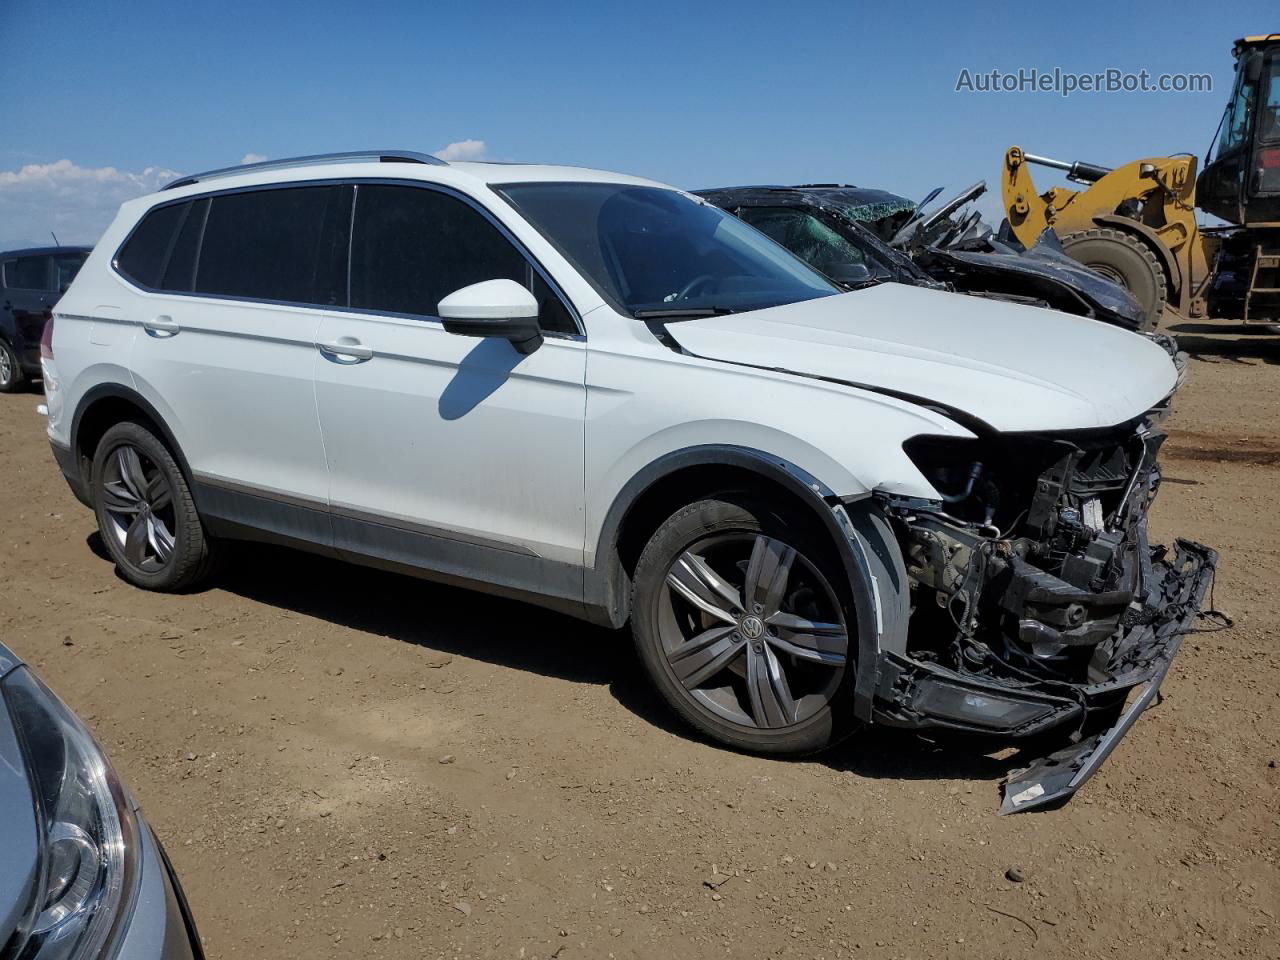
[752, 630]
[6, 366]
[138, 501]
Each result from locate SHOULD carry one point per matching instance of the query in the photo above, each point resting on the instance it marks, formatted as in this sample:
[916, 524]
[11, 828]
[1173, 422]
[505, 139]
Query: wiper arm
[681, 312]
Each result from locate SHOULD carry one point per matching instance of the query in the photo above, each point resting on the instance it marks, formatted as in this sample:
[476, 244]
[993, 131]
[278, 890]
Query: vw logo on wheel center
[752, 628]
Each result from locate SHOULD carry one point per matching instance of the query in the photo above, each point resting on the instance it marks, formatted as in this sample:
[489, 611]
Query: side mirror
[1253, 69]
[494, 308]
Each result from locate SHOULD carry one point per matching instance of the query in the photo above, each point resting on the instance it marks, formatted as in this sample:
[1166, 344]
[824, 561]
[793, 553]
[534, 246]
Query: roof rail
[373, 156]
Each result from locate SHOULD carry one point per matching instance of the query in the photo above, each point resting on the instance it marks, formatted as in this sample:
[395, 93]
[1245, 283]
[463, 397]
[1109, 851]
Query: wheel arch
[104, 406]
[682, 476]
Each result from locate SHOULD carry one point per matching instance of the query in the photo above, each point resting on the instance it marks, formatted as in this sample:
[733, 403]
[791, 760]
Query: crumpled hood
[1113, 302]
[1016, 368]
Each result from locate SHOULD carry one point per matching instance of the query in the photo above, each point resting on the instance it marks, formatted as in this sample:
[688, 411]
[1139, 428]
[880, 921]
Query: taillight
[46, 341]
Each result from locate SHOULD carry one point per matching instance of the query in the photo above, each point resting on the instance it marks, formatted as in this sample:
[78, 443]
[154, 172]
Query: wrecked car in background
[857, 235]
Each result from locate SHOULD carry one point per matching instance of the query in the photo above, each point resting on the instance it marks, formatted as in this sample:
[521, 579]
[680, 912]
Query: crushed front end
[1038, 607]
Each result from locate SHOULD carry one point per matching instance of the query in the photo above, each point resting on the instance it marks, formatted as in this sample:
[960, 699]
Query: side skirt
[238, 512]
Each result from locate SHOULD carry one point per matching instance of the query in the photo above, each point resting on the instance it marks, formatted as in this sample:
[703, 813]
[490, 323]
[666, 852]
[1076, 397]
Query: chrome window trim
[354, 183]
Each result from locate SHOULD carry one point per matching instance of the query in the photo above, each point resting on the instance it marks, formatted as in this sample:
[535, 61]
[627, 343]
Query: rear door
[450, 453]
[236, 285]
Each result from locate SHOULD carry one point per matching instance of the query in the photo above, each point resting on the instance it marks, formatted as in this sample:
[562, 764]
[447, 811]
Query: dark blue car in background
[31, 281]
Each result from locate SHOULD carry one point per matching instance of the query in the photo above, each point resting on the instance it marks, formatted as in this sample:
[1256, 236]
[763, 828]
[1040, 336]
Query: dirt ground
[349, 763]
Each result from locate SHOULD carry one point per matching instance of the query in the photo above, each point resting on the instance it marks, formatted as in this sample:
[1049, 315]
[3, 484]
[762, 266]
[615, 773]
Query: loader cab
[1241, 179]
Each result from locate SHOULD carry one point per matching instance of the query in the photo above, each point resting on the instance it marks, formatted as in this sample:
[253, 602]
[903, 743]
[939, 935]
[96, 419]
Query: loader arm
[1152, 199]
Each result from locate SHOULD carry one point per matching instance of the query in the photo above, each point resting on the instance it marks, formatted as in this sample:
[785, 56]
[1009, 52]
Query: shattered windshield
[878, 211]
[804, 235]
[656, 252]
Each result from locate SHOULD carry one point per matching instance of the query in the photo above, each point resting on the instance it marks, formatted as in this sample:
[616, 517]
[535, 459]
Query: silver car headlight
[88, 872]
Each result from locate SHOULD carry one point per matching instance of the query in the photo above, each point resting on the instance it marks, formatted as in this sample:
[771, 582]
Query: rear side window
[27, 273]
[411, 247]
[146, 253]
[288, 244]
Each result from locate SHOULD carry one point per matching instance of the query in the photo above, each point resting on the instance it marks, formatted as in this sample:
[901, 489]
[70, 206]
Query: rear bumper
[69, 464]
[919, 694]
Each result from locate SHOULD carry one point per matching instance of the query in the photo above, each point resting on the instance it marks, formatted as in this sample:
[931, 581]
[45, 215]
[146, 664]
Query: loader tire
[1125, 259]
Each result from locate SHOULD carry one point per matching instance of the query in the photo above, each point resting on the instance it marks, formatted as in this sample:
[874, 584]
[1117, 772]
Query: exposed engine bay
[1037, 602]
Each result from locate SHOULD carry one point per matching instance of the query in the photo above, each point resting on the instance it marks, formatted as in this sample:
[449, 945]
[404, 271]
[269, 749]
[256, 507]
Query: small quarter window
[145, 254]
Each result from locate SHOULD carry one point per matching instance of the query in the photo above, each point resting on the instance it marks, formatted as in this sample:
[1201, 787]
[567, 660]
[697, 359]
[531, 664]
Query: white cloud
[253, 158]
[75, 202]
[463, 150]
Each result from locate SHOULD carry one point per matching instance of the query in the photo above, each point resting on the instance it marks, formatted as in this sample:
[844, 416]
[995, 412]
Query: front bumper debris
[1053, 779]
[922, 694]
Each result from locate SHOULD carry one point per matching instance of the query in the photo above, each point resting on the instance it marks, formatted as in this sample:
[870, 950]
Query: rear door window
[412, 246]
[286, 244]
[27, 273]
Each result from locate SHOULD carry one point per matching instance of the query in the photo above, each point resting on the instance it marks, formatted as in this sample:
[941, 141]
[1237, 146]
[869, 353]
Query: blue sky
[691, 94]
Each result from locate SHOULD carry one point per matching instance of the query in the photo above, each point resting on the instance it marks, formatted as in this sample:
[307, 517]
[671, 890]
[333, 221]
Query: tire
[146, 514]
[12, 376]
[1122, 257]
[713, 549]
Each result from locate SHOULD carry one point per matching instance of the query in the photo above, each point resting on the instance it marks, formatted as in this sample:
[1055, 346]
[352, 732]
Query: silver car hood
[1014, 367]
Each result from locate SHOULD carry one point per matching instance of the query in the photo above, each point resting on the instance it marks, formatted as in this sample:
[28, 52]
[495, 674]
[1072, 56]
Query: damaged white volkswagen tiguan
[816, 509]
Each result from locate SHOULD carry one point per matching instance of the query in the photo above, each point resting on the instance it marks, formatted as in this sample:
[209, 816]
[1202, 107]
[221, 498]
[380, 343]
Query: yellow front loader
[1136, 224]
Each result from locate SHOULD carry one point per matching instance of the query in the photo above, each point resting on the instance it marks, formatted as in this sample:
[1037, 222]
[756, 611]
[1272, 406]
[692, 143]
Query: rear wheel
[146, 514]
[1126, 260]
[740, 620]
[11, 374]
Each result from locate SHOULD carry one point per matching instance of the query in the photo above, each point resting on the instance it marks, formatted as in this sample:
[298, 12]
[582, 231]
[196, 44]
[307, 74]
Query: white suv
[604, 395]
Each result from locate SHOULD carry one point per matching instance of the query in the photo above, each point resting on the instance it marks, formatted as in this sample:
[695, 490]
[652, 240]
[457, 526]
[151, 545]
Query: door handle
[161, 326]
[347, 348]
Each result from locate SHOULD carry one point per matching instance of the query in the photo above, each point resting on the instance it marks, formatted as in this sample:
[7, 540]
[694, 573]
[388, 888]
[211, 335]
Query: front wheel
[741, 621]
[146, 514]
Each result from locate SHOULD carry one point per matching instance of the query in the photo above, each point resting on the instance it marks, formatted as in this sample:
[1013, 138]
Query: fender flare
[1152, 239]
[607, 587]
[105, 391]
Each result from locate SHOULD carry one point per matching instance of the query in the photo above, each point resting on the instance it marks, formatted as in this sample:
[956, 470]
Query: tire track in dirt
[1258, 449]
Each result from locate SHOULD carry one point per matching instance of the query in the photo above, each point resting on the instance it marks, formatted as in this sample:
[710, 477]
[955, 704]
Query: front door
[447, 453]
